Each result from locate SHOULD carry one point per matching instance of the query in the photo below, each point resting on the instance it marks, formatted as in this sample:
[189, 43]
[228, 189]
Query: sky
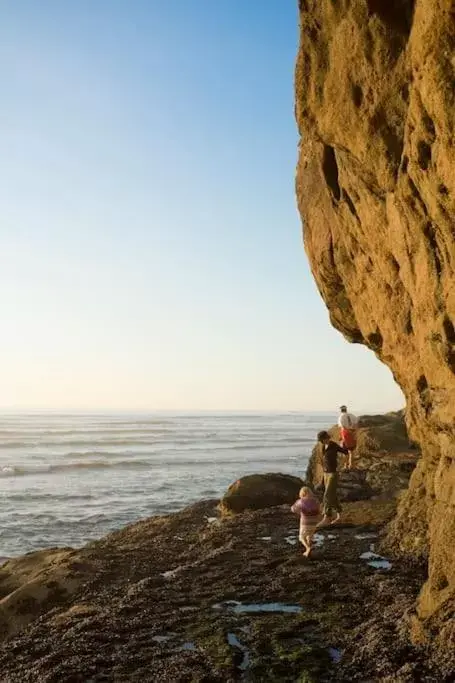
[151, 253]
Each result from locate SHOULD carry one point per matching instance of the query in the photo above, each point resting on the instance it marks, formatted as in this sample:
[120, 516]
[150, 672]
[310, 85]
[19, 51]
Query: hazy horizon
[151, 251]
[182, 411]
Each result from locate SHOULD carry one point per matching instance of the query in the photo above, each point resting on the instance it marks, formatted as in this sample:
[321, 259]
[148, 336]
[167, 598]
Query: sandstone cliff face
[375, 106]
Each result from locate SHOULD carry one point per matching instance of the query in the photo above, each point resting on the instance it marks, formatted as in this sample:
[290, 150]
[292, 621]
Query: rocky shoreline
[207, 595]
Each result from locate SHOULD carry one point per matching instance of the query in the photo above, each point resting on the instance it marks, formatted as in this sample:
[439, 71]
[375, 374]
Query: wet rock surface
[179, 598]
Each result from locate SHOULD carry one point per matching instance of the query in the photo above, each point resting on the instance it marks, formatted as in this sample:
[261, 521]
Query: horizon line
[150, 411]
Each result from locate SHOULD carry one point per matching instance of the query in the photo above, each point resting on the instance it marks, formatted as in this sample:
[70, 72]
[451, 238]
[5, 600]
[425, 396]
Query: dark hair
[322, 436]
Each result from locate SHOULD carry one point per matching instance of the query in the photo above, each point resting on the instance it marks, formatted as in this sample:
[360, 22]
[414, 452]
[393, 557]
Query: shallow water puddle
[227, 603]
[380, 564]
[235, 642]
[257, 608]
[335, 655]
[292, 540]
[365, 536]
[267, 607]
[189, 647]
[376, 561]
[164, 639]
[318, 539]
[265, 538]
[368, 555]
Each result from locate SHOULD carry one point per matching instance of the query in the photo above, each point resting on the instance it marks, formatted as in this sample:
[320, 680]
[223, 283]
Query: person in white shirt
[347, 423]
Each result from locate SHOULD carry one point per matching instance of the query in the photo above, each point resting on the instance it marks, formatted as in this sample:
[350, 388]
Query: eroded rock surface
[181, 598]
[375, 105]
[36, 582]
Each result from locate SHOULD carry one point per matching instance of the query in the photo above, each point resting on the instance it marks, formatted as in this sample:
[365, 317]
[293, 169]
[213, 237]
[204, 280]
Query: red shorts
[348, 439]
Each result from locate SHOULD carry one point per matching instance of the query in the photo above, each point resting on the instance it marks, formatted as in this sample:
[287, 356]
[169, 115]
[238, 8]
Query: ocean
[69, 479]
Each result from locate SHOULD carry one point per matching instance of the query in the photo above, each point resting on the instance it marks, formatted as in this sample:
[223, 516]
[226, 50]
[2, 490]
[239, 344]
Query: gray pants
[331, 503]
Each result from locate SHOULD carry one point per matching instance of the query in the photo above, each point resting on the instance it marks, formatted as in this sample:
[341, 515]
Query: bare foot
[337, 519]
[307, 553]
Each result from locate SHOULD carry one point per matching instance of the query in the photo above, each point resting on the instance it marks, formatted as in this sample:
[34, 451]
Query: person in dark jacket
[330, 452]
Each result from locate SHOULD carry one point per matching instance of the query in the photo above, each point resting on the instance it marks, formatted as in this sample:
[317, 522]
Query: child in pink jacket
[308, 506]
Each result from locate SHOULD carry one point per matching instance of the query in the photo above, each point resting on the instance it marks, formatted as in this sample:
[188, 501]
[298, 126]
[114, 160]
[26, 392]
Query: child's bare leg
[307, 545]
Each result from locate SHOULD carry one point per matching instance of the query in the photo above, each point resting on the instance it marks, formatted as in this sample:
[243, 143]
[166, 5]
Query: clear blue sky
[151, 253]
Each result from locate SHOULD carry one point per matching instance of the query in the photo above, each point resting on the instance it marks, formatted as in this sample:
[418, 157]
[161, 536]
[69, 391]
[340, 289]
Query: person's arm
[342, 449]
[297, 506]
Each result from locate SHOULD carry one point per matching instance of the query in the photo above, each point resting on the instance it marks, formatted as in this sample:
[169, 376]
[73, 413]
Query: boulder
[256, 491]
[33, 584]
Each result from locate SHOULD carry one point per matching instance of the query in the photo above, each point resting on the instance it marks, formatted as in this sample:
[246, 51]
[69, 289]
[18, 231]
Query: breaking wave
[24, 470]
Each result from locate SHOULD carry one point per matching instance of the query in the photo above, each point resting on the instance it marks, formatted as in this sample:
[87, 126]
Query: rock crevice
[375, 107]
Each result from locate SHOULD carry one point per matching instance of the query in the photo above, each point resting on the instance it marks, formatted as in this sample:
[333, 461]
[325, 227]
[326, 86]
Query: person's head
[323, 437]
[343, 409]
[305, 491]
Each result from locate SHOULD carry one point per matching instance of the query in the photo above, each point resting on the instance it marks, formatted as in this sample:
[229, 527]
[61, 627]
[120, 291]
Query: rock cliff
[375, 106]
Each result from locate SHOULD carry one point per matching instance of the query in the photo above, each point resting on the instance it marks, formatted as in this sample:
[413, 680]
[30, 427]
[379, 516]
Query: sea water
[68, 479]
